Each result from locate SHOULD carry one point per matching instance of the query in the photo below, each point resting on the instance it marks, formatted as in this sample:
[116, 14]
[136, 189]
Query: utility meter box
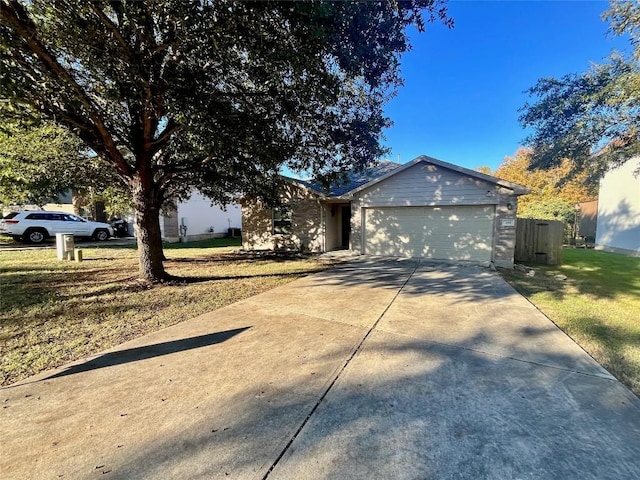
[64, 246]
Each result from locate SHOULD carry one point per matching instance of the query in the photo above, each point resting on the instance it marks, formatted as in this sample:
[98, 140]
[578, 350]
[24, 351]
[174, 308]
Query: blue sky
[464, 86]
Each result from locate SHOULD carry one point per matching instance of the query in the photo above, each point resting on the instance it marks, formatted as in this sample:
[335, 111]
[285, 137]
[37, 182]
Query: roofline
[517, 189]
[301, 183]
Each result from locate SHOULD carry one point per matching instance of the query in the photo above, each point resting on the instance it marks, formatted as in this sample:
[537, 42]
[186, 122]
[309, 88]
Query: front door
[346, 225]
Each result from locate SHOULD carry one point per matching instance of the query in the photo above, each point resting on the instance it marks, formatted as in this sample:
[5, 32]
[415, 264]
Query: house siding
[618, 222]
[203, 220]
[426, 184]
[307, 231]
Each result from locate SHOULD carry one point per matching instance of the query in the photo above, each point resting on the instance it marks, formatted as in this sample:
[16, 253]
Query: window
[73, 218]
[282, 220]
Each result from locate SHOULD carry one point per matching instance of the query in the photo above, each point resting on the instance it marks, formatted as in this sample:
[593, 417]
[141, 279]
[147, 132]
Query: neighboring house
[425, 208]
[200, 220]
[587, 220]
[63, 203]
[618, 224]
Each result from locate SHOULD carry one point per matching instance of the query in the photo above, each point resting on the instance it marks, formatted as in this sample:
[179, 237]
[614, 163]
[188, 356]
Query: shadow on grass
[150, 351]
[250, 257]
[36, 283]
[591, 272]
[129, 246]
[616, 343]
[602, 274]
[210, 243]
[178, 280]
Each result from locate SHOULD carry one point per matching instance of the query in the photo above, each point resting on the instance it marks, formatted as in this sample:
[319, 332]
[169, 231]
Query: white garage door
[448, 233]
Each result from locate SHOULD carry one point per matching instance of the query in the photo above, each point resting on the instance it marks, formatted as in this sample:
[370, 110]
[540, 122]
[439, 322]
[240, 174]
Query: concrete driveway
[375, 369]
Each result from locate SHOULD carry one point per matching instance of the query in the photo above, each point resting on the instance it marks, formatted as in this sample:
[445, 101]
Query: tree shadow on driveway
[412, 409]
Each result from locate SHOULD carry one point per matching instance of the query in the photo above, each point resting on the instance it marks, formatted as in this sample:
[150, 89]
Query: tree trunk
[147, 210]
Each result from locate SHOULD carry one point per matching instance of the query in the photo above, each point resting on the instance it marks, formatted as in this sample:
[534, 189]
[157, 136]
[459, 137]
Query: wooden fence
[539, 241]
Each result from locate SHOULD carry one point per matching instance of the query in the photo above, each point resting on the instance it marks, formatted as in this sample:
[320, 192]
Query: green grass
[211, 243]
[598, 305]
[53, 312]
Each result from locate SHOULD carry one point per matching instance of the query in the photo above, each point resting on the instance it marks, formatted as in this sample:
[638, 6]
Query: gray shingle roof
[353, 179]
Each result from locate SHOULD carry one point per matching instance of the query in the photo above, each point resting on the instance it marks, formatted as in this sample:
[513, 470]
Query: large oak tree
[215, 95]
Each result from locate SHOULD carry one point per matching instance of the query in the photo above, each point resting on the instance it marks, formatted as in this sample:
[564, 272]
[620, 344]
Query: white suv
[35, 226]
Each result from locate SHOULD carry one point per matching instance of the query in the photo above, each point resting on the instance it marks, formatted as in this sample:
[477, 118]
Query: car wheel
[101, 235]
[36, 235]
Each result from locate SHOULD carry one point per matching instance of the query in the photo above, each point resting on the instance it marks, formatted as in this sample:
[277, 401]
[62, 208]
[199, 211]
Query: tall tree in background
[35, 160]
[554, 190]
[593, 117]
[174, 95]
[40, 161]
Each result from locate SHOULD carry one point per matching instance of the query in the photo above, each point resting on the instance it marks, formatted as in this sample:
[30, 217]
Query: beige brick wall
[504, 233]
[307, 231]
[355, 237]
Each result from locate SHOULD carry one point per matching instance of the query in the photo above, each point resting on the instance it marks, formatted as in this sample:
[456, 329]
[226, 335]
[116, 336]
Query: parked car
[120, 227]
[35, 226]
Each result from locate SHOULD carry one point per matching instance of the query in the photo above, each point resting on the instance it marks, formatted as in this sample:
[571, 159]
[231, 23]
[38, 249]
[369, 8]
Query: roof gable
[517, 189]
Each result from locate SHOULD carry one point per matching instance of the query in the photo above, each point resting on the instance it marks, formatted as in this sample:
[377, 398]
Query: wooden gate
[539, 241]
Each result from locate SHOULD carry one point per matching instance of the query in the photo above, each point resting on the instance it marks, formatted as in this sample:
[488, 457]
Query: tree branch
[14, 15]
[171, 128]
[106, 21]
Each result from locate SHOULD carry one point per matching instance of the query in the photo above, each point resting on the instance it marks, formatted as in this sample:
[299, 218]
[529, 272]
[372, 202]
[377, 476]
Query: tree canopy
[554, 191]
[34, 163]
[39, 161]
[217, 96]
[592, 117]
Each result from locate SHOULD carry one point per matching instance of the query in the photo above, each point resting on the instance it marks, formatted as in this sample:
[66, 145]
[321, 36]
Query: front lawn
[53, 312]
[598, 305]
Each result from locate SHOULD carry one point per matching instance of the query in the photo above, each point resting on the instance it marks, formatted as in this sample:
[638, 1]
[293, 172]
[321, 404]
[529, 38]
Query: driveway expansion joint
[606, 376]
[354, 353]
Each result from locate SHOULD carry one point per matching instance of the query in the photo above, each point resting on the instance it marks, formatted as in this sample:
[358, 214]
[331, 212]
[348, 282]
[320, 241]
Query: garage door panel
[454, 233]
